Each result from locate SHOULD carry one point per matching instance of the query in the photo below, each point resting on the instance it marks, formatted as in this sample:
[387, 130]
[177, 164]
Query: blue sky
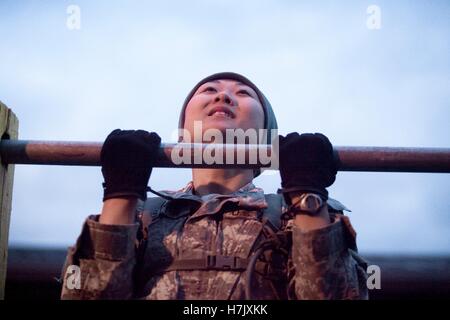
[131, 64]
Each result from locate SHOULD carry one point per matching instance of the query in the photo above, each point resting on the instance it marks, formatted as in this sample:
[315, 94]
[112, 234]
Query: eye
[209, 89]
[244, 92]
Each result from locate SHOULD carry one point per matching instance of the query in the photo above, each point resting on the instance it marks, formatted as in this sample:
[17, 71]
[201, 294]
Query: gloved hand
[127, 159]
[307, 163]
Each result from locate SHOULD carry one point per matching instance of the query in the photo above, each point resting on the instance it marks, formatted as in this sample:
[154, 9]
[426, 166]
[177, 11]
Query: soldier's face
[224, 104]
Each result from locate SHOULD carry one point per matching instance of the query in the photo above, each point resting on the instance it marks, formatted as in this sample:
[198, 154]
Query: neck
[221, 181]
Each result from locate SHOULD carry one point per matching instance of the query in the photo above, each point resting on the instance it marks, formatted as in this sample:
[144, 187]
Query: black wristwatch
[309, 204]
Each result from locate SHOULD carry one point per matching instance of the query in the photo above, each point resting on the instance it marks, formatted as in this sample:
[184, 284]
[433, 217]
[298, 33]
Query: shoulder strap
[153, 206]
[336, 205]
[274, 209]
[149, 209]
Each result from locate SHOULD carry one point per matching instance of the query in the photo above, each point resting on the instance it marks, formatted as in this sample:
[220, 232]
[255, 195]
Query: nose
[225, 98]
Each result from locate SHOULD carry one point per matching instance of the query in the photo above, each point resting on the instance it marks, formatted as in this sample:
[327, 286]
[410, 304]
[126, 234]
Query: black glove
[307, 163]
[127, 160]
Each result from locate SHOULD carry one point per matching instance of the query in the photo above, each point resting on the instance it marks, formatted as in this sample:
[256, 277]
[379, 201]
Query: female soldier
[220, 237]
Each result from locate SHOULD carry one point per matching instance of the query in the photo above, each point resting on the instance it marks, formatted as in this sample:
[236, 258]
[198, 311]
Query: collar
[248, 197]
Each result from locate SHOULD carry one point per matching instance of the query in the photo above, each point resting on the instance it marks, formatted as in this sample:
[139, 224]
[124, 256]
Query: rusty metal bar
[377, 159]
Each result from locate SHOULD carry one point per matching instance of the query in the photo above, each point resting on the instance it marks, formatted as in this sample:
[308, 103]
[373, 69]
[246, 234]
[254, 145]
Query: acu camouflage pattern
[136, 261]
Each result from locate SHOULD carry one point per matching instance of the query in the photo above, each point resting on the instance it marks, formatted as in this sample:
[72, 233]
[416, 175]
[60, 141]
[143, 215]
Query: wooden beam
[9, 130]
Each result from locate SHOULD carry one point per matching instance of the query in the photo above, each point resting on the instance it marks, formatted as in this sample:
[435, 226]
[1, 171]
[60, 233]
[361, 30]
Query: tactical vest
[267, 255]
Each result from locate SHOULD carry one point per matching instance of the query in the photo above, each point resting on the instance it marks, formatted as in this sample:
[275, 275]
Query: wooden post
[9, 130]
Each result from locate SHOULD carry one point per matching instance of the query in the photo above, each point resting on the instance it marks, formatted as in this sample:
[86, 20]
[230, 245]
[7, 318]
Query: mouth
[222, 112]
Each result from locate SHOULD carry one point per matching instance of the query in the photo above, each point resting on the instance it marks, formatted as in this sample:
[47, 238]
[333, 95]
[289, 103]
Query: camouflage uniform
[184, 246]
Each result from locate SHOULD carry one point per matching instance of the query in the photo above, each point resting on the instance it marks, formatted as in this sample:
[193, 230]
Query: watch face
[312, 202]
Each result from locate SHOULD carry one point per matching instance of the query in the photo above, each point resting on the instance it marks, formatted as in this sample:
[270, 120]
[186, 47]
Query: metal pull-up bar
[378, 159]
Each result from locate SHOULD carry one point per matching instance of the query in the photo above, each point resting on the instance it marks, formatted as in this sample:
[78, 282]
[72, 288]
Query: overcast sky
[325, 68]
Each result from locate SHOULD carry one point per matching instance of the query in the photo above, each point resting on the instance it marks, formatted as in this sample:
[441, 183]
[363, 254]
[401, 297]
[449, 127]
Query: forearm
[324, 266]
[105, 256]
[119, 211]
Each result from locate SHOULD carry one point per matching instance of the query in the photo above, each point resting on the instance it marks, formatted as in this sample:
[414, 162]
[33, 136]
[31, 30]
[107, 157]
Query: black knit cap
[270, 121]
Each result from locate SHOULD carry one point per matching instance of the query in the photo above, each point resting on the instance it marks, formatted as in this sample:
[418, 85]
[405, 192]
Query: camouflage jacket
[184, 246]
